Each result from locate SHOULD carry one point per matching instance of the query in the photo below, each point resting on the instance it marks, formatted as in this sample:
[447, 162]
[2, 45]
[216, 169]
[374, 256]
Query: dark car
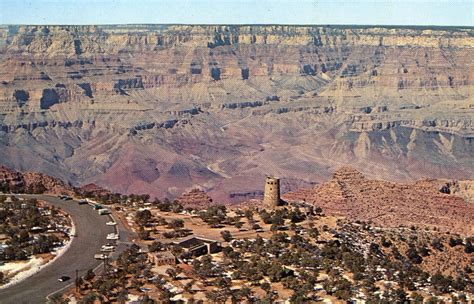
[64, 279]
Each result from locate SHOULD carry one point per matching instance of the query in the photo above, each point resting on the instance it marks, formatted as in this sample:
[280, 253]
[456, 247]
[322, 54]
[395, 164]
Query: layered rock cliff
[165, 109]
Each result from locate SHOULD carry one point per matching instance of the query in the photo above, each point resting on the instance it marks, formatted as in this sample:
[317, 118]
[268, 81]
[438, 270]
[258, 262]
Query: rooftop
[164, 255]
[193, 240]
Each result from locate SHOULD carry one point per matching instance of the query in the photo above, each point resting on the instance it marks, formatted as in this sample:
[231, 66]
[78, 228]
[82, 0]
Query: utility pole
[105, 265]
[77, 280]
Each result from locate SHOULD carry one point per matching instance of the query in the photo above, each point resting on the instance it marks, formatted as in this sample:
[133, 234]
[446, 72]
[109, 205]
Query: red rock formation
[32, 182]
[10, 178]
[92, 189]
[195, 198]
[351, 195]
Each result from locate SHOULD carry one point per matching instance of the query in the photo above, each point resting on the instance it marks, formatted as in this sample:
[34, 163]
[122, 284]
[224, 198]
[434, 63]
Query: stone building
[271, 195]
[162, 258]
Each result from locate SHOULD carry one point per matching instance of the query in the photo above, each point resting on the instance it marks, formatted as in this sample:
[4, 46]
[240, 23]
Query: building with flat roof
[197, 246]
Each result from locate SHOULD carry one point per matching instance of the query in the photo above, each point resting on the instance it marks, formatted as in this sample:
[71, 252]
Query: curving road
[91, 234]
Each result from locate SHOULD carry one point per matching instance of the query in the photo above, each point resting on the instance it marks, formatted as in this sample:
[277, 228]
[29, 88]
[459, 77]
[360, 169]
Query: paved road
[91, 235]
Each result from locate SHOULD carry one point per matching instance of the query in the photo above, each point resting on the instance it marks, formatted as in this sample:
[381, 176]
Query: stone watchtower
[271, 196]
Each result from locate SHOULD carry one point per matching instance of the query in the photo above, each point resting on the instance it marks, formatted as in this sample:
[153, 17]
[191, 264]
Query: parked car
[64, 279]
[104, 211]
[101, 256]
[107, 248]
[112, 236]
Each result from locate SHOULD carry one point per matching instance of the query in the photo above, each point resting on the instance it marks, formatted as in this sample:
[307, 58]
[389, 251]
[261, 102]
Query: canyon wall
[167, 108]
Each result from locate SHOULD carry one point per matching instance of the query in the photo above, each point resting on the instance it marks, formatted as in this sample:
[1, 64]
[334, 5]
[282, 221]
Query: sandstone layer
[164, 109]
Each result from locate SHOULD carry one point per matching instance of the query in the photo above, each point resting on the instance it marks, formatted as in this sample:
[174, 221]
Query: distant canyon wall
[166, 108]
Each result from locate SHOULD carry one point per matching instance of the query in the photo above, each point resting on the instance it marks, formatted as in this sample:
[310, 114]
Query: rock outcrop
[421, 204]
[31, 182]
[196, 199]
[92, 190]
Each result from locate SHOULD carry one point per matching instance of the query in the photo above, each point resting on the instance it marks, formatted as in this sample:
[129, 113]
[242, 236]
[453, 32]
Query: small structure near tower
[271, 195]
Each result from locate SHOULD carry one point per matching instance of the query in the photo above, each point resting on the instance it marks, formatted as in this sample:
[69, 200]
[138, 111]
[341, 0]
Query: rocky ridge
[31, 182]
[421, 204]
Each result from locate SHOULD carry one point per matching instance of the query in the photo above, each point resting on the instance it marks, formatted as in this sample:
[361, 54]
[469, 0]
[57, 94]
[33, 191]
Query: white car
[111, 223]
[64, 279]
[107, 248]
[112, 236]
[101, 256]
